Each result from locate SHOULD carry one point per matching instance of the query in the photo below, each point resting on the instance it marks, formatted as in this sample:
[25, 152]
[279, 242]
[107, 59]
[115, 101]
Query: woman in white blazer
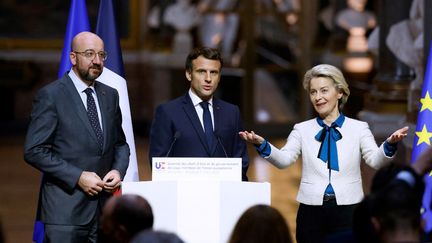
[331, 148]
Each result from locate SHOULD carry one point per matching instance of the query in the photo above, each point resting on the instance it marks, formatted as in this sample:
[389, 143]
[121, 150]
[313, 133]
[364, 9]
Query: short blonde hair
[332, 73]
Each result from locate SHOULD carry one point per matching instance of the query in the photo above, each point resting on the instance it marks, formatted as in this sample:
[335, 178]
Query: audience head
[392, 211]
[261, 223]
[154, 236]
[395, 212]
[124, 216]
[332, 73]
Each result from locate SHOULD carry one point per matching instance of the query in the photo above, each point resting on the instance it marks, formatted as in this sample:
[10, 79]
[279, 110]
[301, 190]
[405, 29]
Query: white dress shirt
[81, 86]
[196, 102]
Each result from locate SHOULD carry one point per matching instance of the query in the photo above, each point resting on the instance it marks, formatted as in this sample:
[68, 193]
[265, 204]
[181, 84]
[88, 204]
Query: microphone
[177, 135]
[221, 144]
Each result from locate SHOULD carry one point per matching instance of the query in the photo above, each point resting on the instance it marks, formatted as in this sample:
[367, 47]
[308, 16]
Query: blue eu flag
[422, 138]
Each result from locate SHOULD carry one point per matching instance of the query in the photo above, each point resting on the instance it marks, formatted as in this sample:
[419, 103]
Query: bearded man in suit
[75, 138]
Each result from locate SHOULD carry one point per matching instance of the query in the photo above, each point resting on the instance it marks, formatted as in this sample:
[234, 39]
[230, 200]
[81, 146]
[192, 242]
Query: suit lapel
[190, 111]
[70, 91]
[217, 123]
[103, 107]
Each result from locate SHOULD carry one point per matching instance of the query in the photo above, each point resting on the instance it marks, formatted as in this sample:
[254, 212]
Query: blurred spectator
[395, 213]
[261, 223]
[154, 236]
[123, 217]
[392, 212]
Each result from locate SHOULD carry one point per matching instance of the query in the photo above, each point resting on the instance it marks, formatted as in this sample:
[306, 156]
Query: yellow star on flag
[424, 136]
[426, 102]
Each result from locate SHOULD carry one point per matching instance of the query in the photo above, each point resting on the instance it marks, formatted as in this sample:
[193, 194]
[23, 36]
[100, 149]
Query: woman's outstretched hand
[251, 137]
[398, 135]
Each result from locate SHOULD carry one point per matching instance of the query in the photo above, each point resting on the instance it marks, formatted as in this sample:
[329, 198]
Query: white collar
[197, 100]
[79, 84]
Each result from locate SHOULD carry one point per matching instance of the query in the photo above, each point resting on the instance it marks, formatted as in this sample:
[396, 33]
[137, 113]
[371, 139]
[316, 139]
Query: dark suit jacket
[179, 115]
[61, 143]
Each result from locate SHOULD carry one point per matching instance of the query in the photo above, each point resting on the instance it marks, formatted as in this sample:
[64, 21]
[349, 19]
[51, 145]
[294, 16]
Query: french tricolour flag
[113, 75]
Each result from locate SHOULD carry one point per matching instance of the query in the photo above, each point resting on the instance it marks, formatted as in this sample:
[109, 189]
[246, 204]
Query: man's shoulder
[185, 100]
[172, 106]
[224, 104]
[54, 86]
[105, 88]
[174, 102]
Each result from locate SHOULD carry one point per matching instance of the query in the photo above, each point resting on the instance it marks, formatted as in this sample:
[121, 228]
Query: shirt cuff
[263, 149]
[390, 148]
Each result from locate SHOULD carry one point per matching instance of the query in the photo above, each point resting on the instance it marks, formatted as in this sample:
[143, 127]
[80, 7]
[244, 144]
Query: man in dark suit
[199, 124]
[75, 138]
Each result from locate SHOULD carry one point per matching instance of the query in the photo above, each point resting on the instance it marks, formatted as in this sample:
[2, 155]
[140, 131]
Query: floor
[19, 190]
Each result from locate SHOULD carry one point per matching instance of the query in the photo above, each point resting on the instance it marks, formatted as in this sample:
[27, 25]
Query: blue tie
[93, 116]
[328, 150]
[208, 125]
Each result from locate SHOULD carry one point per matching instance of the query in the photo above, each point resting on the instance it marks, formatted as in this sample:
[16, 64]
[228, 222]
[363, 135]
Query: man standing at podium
[199, 124]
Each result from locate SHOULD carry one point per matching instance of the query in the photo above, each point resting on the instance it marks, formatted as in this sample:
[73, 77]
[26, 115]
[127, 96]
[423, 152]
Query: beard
[89, 74]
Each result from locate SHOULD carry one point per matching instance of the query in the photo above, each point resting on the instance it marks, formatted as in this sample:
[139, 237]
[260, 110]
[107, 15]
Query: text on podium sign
[191, 169]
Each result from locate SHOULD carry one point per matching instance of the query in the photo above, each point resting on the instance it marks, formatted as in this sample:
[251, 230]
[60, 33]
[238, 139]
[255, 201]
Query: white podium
[199, 211]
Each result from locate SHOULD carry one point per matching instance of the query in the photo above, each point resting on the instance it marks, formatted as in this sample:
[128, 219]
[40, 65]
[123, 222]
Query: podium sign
[200, 199]
[199, 211]
[196, 169]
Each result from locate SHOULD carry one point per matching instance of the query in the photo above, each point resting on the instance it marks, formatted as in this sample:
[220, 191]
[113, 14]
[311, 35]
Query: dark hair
[261, 223]
[394, 202]
[386, 177]
[363, 230]
[207, 52]
[397, 207]
[156, 236]
[134, 212]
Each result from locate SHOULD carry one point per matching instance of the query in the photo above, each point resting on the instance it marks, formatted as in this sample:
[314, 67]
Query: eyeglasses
[91, 54]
